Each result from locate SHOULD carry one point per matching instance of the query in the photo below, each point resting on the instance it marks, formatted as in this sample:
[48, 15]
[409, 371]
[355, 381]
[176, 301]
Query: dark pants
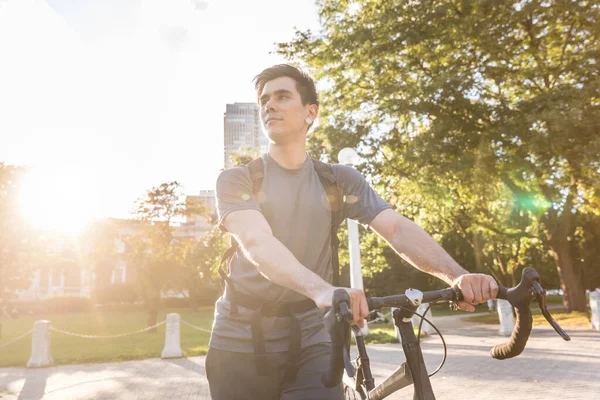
[233, 376]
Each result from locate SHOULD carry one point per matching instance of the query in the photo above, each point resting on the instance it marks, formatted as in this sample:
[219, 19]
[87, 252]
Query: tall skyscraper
[243, 130]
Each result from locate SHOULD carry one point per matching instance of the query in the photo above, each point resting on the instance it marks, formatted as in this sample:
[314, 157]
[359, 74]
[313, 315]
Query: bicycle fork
[411, 371]
[414, 355]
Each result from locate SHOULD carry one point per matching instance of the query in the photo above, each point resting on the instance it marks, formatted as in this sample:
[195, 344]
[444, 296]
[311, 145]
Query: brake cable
[436, 329]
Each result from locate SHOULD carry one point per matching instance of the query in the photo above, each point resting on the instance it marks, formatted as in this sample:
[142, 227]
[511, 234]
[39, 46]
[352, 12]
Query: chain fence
[106, 336]
[16, 339]
[195, 327]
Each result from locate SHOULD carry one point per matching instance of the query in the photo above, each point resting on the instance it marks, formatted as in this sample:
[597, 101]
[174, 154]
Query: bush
[176, 302]
[62, 304]
[117, 293]
[207, 296]
[120, 307]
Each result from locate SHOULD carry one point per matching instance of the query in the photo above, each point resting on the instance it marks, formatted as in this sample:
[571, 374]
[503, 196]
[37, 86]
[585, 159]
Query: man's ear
[313, 112]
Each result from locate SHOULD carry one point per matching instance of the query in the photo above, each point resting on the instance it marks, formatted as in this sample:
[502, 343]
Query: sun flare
[52, 201]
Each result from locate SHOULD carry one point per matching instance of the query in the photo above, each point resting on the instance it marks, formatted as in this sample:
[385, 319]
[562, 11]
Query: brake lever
[350, 370]
[540, 295]
[346, 315]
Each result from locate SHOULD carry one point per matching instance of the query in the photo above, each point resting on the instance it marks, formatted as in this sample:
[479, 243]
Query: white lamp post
[348, 156]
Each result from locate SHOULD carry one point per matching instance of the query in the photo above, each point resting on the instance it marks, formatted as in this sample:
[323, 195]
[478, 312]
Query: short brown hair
[304, 83]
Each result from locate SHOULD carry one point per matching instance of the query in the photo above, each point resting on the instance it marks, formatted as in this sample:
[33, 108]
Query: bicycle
[356, 375]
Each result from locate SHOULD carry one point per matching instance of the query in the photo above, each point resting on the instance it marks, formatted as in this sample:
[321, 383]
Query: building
[69, 271]
[196, 226]
[61, 273]
[242, 130]
[208, 198]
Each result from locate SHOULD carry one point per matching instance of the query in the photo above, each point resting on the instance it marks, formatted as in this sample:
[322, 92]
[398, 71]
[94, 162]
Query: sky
[104, 99]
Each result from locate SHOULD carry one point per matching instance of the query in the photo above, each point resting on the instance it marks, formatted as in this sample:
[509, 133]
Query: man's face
[281, 111]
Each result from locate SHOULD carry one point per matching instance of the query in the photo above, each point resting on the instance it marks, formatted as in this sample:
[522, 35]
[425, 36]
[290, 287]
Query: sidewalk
[549, 368]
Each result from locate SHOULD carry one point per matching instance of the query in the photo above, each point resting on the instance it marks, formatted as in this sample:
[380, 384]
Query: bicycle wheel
[351, 394]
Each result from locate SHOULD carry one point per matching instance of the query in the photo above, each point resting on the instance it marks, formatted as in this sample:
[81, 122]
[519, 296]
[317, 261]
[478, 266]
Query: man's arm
[275, 262]
[418, 248]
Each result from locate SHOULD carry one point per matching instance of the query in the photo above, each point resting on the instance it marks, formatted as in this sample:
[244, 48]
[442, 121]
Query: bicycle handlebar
[520, 297]
[338, 318]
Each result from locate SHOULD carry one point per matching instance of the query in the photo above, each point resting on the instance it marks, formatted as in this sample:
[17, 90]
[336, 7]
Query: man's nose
[269, 105]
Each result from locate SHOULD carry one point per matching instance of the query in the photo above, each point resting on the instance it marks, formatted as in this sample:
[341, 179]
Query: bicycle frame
[411, 371]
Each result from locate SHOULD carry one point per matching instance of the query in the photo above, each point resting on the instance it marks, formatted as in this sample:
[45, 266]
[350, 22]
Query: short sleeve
[361, 202]
[234, 193]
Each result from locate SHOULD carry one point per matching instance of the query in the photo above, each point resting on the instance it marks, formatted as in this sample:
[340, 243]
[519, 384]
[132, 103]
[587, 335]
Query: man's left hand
[476, 289]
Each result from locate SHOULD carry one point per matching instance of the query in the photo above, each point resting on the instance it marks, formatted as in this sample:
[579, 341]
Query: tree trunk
[558, 230]
[152, 319]
[570, 282]
[152, 305]
[193, 300]
[514, 278]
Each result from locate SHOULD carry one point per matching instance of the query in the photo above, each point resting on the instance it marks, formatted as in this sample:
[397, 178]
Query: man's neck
[289, 155]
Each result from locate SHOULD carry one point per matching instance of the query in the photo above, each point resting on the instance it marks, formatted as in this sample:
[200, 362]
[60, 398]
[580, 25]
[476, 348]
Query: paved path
[548, 369]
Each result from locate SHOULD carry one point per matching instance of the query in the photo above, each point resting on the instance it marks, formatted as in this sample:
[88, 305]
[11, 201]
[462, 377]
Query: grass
[66, 349]
[381, 333]
[572, 319]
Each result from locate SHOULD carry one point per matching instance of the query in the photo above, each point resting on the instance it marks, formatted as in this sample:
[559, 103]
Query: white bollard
[416, 320]
[507, 319]
[40, 345]
[595, 306]
[356, 278]
[172, 337]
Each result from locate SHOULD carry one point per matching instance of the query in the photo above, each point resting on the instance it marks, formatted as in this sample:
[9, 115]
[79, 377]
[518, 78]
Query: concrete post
[172, 337]
[595, 306]
[40, 345]
[356, 280]
[428, 329]
[507, 319]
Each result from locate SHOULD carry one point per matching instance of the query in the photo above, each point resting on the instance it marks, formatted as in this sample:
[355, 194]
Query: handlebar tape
[520, 298]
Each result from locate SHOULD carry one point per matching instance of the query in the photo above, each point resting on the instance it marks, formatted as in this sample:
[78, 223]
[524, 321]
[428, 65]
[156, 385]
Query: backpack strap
[335, 197]
[257, 173]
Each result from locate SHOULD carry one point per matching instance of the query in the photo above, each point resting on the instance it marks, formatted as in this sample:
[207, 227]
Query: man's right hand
[358, 303]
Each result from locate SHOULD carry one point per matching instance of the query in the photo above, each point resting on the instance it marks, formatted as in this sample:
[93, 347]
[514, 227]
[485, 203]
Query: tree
[441, 88]
[99, 240]
[201, 259]
[18, 250]
[157, 259]
[244, 155]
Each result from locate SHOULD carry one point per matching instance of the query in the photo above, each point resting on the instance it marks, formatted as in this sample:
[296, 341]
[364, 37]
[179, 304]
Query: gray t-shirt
[296, 207]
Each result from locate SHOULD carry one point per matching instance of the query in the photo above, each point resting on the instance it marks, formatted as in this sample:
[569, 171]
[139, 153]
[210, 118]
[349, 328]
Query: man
[284, 256]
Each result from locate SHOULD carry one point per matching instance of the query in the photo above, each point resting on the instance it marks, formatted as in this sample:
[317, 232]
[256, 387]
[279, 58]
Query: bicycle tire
[351, 394]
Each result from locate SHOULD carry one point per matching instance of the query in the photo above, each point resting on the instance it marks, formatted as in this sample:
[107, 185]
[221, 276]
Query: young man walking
[268, 339]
